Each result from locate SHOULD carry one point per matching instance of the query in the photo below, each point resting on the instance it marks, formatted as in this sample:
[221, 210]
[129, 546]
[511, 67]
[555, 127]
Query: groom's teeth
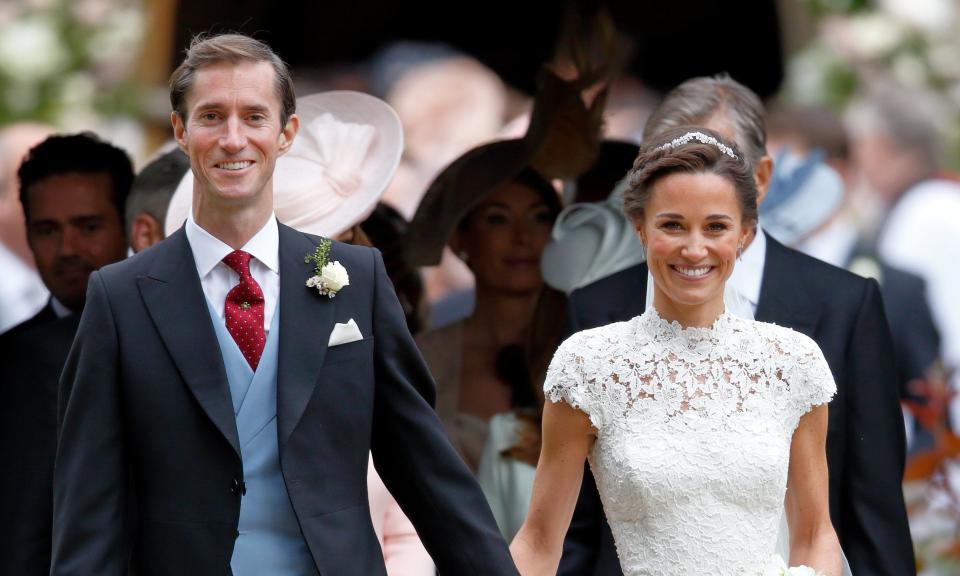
[693, 271]
[235, 165]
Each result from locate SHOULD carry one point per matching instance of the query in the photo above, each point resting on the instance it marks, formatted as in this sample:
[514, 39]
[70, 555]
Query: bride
[701, 428]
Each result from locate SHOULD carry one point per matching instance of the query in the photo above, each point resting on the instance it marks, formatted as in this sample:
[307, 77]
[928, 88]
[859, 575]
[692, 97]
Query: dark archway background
[673, 40]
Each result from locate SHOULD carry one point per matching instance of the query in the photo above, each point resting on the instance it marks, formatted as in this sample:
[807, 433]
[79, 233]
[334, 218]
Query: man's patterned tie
[243, 309]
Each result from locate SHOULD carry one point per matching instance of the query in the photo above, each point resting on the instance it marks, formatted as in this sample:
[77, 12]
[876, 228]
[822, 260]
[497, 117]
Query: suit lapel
[174, 298]
[306, 320]
[783, 297]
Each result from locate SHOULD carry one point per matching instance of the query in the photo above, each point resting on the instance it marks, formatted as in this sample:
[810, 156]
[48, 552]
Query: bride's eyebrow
[670, 215]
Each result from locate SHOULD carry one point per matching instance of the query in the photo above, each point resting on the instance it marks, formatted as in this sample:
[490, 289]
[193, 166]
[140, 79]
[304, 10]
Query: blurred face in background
[73, 228]
[887, 169]
[503, 237]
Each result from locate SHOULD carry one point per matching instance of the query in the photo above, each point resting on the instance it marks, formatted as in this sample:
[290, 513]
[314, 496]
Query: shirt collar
[747, 275]
[208, 250]
[59, 308]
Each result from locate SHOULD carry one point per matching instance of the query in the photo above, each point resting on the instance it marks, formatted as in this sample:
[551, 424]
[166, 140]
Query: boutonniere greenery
[329, 277]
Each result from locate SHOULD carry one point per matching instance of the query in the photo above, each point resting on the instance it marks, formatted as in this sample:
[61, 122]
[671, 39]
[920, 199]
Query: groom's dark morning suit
[149, 425]
[844, 314]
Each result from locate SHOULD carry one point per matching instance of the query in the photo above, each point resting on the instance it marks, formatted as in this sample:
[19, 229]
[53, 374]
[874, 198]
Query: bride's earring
[740, 251]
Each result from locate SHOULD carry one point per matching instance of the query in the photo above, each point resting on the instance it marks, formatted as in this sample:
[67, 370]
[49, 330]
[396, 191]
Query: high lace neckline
[663, 330]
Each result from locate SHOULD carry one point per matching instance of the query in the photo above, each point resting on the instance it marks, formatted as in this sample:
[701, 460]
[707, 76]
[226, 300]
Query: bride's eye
[671, 225]
[717, 227]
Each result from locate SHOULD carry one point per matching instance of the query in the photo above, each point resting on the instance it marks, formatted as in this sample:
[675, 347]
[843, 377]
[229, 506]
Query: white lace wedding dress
[693, 435]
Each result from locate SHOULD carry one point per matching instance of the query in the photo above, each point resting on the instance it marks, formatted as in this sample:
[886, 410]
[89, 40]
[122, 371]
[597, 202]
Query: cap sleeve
[567, 379]
[812, 380]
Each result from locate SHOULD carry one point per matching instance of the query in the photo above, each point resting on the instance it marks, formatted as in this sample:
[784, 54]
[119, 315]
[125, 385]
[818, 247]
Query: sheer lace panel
[693, 434]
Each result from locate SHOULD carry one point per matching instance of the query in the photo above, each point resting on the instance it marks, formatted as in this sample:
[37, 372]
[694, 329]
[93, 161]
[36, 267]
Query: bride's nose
[694, 248]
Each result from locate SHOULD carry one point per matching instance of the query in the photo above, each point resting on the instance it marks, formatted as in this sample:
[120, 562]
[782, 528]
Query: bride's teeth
[234, 165]
[693, 271]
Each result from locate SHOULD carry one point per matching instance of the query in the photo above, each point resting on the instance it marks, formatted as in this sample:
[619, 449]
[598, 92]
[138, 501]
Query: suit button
[239, 487]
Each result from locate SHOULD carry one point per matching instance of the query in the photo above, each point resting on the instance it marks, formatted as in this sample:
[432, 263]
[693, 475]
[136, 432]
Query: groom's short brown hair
[208, 50]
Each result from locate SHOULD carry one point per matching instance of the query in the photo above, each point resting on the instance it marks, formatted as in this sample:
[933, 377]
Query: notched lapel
[306, 320]
[174, 298]
[783, 297]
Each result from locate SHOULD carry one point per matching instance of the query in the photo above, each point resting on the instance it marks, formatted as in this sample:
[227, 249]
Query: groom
[219, 412]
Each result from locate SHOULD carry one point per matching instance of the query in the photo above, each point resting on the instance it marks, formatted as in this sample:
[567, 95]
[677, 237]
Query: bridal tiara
[703, 139]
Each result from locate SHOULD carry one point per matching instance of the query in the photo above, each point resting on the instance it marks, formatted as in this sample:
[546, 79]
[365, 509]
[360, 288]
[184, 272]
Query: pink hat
[340, 163]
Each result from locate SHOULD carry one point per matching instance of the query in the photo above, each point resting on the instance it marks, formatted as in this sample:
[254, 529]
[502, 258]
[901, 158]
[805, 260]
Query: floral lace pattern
[693, 434]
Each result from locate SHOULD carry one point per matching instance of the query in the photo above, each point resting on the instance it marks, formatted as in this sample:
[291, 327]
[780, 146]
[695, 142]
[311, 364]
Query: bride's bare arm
[567, 437]
[813, 541]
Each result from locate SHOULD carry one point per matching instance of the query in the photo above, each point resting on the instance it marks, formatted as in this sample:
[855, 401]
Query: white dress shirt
[59, 308]
[22, 293]
[747, 276]
[217, 279]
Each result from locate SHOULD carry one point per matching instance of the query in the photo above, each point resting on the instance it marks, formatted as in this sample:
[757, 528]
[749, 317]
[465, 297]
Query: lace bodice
[693, 435]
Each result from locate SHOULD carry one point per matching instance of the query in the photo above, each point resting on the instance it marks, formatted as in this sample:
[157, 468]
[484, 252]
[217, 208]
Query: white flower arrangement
[46, 45]
[911, 44]
[330, 277]
[778, 567]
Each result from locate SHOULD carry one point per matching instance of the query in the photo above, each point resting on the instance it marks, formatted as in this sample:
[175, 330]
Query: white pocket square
[344, 333]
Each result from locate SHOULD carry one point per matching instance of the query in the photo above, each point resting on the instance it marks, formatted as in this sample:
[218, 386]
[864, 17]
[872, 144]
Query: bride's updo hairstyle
[689, 149]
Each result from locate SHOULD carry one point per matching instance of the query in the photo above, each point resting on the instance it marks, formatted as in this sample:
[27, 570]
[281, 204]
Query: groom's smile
[232, 132]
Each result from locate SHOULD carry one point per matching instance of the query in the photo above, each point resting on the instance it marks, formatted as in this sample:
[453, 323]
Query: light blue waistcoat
[270, 541]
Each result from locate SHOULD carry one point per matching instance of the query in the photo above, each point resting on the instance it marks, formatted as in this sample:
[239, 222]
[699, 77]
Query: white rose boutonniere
[329, 277]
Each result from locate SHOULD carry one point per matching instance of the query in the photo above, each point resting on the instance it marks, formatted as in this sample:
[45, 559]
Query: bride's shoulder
[600, 336]
[784, 338]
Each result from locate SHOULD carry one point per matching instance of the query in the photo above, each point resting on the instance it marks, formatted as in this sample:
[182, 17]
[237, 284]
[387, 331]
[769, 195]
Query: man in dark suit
[72, 189]
[214, 390]
[28, 441]
[842, 312]
[150, 195]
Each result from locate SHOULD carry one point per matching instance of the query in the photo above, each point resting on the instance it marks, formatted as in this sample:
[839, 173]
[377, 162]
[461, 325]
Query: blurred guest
[447, 103]
[496, 215]
[327, 184]
[896, 148]
[592, 238]
[805, 209]
[73, 190]
[22, 293]
[150, 197]
[385, 228]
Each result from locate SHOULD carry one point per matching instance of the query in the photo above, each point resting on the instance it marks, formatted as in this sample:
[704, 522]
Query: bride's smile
[692, 228]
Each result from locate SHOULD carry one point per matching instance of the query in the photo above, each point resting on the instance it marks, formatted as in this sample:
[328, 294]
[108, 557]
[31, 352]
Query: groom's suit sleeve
[89, 488]
[414, 458]
[874, 531]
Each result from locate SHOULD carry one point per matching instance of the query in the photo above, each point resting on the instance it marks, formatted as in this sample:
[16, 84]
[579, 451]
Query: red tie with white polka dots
[243, 309]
